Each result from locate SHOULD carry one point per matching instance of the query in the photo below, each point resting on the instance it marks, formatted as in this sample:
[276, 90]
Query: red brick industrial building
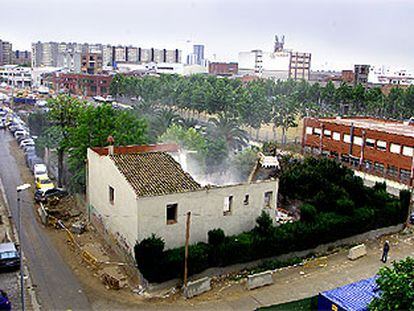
[223, 69]
[379, 147]
[82, 84]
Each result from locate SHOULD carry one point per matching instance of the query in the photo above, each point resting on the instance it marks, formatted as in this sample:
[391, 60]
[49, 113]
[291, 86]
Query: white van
[39, 170]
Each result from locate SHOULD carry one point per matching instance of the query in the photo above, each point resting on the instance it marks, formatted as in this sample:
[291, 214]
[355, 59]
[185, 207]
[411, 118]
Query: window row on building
[377, 144]
[369, 166]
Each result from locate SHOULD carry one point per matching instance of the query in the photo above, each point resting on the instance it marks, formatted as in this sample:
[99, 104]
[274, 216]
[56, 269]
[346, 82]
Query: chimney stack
[111, 142]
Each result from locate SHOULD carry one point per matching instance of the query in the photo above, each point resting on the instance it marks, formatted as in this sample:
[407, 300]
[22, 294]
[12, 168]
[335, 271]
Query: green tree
[229, 131]
[37, 122]
[396, 284]
[216, 154]
[162, 120]
[189, 139]
[63, 114]
[284, 113]
[243, 162]
[94, 125]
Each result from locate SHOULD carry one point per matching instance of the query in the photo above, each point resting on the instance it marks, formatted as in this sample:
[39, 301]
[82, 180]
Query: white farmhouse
[136, 191]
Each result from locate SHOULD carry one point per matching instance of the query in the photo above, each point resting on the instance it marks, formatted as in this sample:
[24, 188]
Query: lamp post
[19, 229]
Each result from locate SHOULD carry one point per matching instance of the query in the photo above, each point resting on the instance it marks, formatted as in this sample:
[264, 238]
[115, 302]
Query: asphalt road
[57, 287]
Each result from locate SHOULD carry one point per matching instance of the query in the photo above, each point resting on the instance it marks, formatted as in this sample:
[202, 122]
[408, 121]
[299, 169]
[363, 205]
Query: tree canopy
[396, 285]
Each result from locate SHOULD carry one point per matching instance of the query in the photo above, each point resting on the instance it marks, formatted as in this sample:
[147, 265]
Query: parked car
[29, 149]
[4, 301]
[33, 159]
[9, 257]
[29, 154]
[44, 196]
[26, 142]
[20, 133]
[44, 183]
[39, 170]
[19, 139]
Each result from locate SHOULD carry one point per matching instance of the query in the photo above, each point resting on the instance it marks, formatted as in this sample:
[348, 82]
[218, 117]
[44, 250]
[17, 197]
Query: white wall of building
[131, 218]
[207, 212]
[384, 75]
[16, 76]
[120, 218]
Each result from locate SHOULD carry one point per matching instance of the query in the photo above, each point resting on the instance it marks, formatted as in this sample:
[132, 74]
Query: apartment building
[379, 147]
[22, 58]
[92, 63]
[6, 53]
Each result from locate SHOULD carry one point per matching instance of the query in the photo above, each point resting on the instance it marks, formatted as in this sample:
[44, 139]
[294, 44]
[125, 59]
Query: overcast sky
[338, 33]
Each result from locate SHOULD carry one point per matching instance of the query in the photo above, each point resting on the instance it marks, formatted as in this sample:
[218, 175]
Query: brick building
[378, 147]
[81, 84]
[347, 76]
[91, 63]
[223, 69]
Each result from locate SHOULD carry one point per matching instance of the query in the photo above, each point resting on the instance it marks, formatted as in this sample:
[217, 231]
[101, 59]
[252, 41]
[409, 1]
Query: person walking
[385, 251]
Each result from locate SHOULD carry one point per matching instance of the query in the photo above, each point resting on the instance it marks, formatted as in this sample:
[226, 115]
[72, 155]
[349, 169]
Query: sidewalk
[298, 282]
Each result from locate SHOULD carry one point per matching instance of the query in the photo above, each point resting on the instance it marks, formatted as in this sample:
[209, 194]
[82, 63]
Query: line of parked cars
[44, 187]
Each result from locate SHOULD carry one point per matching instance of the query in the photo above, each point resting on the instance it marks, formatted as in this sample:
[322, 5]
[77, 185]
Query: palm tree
[162, 120]
[188, 122]
[229, 131]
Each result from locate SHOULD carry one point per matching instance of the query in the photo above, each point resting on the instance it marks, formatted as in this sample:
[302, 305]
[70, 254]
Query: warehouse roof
[391, 127]
[154, 173]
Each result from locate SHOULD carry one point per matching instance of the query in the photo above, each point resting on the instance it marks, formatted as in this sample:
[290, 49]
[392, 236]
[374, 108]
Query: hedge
[322, 224]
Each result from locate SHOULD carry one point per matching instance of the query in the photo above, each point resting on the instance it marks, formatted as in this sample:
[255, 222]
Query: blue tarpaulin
[351, 297]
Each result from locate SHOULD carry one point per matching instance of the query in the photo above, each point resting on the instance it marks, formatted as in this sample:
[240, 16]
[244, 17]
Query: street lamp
[19, 226]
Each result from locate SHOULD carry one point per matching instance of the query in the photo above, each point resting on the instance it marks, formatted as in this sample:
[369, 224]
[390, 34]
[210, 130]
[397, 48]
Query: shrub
[216, 237]
[145, 252]
[264, 224]
[307, 212]
[337, 206]
[405, 199]
[345, 206]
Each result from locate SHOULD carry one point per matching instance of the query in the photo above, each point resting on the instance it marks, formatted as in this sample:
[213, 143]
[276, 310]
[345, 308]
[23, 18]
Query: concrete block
[197, 287]
[259, 279]
[357, 252]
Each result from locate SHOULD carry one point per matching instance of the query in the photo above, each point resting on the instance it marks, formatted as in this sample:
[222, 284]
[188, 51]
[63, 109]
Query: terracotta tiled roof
[137, 148]
[154, 173]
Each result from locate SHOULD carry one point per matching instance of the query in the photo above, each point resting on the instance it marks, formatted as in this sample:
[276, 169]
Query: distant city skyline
[338, 33]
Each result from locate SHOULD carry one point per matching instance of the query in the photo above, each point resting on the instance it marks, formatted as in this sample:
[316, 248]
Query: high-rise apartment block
[197, 57]
[22, 58]
[6, 53]
[63, 55]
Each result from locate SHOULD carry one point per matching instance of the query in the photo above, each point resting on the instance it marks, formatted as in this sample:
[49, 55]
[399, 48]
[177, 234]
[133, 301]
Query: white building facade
[116, 207]
[265, 64]
[383, 75]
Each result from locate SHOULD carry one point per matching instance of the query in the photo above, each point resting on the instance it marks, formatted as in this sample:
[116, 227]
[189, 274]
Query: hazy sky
[338, 33]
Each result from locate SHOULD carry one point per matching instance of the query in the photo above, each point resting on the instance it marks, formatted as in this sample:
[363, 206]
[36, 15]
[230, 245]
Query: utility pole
[187, 239]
